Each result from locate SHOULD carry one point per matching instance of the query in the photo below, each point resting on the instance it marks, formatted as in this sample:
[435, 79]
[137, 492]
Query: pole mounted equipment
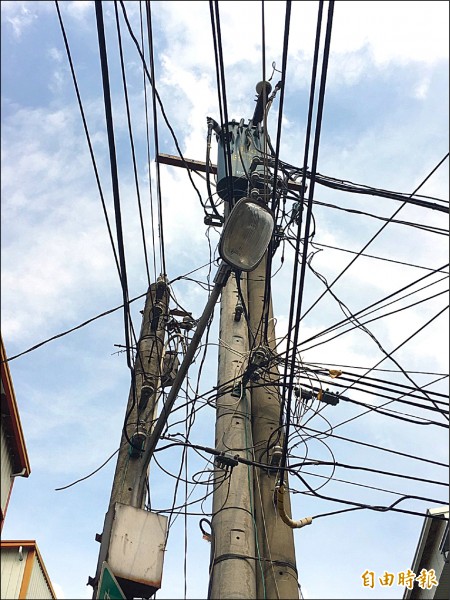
[245, 142]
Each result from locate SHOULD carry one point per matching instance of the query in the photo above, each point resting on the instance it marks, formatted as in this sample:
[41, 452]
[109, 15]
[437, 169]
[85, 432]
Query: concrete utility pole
[277, 576]
[141, 408]
[253, 554]
[141, 413]
[233, 539]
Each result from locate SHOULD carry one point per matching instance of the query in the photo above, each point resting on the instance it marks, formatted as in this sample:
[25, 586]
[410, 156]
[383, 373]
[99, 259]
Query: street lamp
[246, 234]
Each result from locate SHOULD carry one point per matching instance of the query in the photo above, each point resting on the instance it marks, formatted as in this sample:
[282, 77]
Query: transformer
[246, 143]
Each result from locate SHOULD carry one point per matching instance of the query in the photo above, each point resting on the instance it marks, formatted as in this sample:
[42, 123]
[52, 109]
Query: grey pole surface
[277, 577]
[233, 539]
[140, 418]
[141, 407]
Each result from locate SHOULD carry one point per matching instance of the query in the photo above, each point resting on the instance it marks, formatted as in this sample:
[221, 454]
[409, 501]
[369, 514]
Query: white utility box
[136, 549]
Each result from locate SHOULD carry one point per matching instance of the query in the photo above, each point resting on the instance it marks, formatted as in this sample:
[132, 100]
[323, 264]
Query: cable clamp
[226, 460]
[328, 397]
[213, 220]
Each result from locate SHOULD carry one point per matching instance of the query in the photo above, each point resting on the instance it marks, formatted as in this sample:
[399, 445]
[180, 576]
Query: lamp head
[246, 234]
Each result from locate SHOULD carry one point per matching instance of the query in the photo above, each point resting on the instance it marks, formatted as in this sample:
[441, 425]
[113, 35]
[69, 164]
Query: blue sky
[385, 125]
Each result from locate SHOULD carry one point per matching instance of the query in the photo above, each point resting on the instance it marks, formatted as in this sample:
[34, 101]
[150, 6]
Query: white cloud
[19, 15]
[56, 54]
[79, 9]
[391, 32]
[59, 591]
[422, 88]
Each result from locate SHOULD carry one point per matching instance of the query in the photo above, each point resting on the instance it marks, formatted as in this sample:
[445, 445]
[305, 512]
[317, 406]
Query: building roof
[29, 545]
[11, 419]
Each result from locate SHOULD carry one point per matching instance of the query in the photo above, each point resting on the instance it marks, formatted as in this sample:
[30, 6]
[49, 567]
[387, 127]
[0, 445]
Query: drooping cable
[364, 311]
[351, 317]
[376, 365]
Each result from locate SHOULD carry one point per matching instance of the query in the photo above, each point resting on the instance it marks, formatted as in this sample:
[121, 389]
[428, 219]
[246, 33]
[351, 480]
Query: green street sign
[108, 588]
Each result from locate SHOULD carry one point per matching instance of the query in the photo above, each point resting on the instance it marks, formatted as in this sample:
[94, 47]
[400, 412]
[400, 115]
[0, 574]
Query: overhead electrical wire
[128, 325]
[393, 312]
[293, 468]
[347, 376]
[156, 138]
[421, 226]
[287, 23]
[160, 103]
[65, 487]
[359, 505]
[376, 394]
[379, 380]
[395, 213]
[356, 188]
[147, 137]
[92, 319]
[312, 462]
[132, 146]
[380, 448]
[370, 487]
[222, 94]
[364, 311]
[275, 200]
[359, 325]
[114, 175]
[383, 258]
[345, 510]
[288, 387]
[303, 188]
[389, 355]
[88, 137]
[297, 247]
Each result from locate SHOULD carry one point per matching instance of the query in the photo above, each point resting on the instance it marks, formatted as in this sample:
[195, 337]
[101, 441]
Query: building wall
[14, 457]
[429, 556]
[12, 573]
[6, 468]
